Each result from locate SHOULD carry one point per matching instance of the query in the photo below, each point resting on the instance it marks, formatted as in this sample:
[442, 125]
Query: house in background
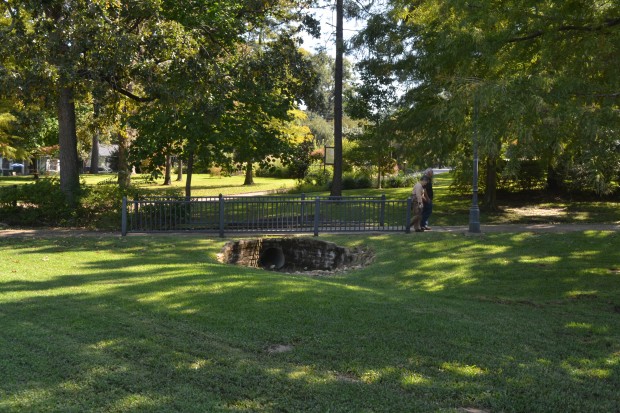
[106, 153]
[10, 167]
[5, 166]
[46, 160]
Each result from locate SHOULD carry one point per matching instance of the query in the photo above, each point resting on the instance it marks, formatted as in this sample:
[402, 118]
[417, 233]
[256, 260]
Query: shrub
[356, 181]
[400, 181]
[36, 204]
[9, 196]
[43, 204]
[273, 171]
[101, 205]
[317, 177]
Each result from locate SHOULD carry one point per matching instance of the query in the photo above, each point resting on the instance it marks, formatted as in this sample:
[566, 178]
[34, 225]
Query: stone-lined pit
[295, 255]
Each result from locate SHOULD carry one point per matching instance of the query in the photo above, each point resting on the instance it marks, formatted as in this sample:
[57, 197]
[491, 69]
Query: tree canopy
[60, 51]
[544, 76]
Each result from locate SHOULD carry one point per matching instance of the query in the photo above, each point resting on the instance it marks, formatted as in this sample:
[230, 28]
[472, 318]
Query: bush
[43, 204]
[400, 181]
[356, 181]
[317, 178]
[101, 205]
[273, 171]
[36, 204]
[9, 196]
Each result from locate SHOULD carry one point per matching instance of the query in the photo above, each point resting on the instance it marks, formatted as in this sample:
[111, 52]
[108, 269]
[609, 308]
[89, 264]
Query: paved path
[509, 228]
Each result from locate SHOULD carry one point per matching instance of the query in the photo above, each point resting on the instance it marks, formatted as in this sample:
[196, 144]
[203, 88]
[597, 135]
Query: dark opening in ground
[295, 255]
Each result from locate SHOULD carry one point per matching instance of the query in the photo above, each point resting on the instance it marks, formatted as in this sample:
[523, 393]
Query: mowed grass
[439, 323]
[202, 184]
[210, 185]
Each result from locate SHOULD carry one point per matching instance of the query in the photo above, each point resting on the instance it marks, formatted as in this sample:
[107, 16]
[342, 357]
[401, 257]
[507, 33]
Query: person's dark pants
[426, 213]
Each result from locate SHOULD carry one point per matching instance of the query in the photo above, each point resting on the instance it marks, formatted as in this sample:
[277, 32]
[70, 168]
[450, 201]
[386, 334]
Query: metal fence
[266, 214]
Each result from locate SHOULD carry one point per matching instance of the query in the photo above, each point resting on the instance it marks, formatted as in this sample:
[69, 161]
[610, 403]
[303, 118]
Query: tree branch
[127, 93]
[600, 95]
[566, 28]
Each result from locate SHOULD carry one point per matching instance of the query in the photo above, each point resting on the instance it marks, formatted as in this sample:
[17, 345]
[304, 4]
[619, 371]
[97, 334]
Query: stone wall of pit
[300, 254]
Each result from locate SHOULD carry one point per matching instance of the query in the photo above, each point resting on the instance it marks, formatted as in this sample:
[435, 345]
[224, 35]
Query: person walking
[428, 200]
[418, 202]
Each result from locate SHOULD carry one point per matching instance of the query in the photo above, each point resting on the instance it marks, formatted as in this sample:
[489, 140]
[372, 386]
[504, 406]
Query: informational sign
[329, 155]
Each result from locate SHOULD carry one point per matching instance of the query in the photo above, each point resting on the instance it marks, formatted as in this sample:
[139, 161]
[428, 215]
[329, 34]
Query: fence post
[124, 217]
[137, 218]
[317, 209]
[408, 215]
[303, 210]
[382, 213]
[221, 216]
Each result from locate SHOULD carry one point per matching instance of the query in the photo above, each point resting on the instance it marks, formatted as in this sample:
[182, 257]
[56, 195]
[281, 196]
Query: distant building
[46, 160]
[106, 153]
[10, 167]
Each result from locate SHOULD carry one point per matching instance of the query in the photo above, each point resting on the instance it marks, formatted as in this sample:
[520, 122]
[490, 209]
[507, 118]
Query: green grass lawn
[439, 323]
[202, 184]
[450, 208]
[206, 185]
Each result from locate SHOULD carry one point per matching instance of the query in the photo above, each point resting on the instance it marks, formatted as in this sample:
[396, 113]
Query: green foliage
[274, 170]
[318, 176]
[400, 181]
[322, 130]
[322, 103]
[356, 180]
[533, 80]
[36, 204]
[9, 196]
[299, 158]
[42, 203]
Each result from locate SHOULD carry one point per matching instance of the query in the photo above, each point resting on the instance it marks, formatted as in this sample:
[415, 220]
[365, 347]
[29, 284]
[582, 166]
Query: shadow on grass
[501, 322]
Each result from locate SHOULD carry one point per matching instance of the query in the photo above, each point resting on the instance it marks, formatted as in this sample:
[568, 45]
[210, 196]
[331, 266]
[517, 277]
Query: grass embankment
[440, 322]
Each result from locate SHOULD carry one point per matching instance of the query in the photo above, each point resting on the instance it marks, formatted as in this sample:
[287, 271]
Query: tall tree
[66, 46]
[336, 189]
[544, 74]
[272, 81]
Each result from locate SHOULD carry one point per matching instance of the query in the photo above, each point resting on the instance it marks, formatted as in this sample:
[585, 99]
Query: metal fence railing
[265, 214]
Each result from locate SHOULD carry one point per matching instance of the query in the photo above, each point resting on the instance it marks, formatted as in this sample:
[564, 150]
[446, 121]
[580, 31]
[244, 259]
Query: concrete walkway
[508, 228]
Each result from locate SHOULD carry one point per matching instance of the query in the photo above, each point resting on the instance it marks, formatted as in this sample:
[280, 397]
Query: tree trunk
[168, 172]
[490, 188]
[337, 180]
[124, 173]
[249, 178]
[554, 179]
[67, 139]
[94, 152]
[180, 170]
[94, 155]
[189, 172]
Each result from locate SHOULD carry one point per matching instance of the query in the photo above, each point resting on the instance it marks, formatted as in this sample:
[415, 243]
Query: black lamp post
[474, 211]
